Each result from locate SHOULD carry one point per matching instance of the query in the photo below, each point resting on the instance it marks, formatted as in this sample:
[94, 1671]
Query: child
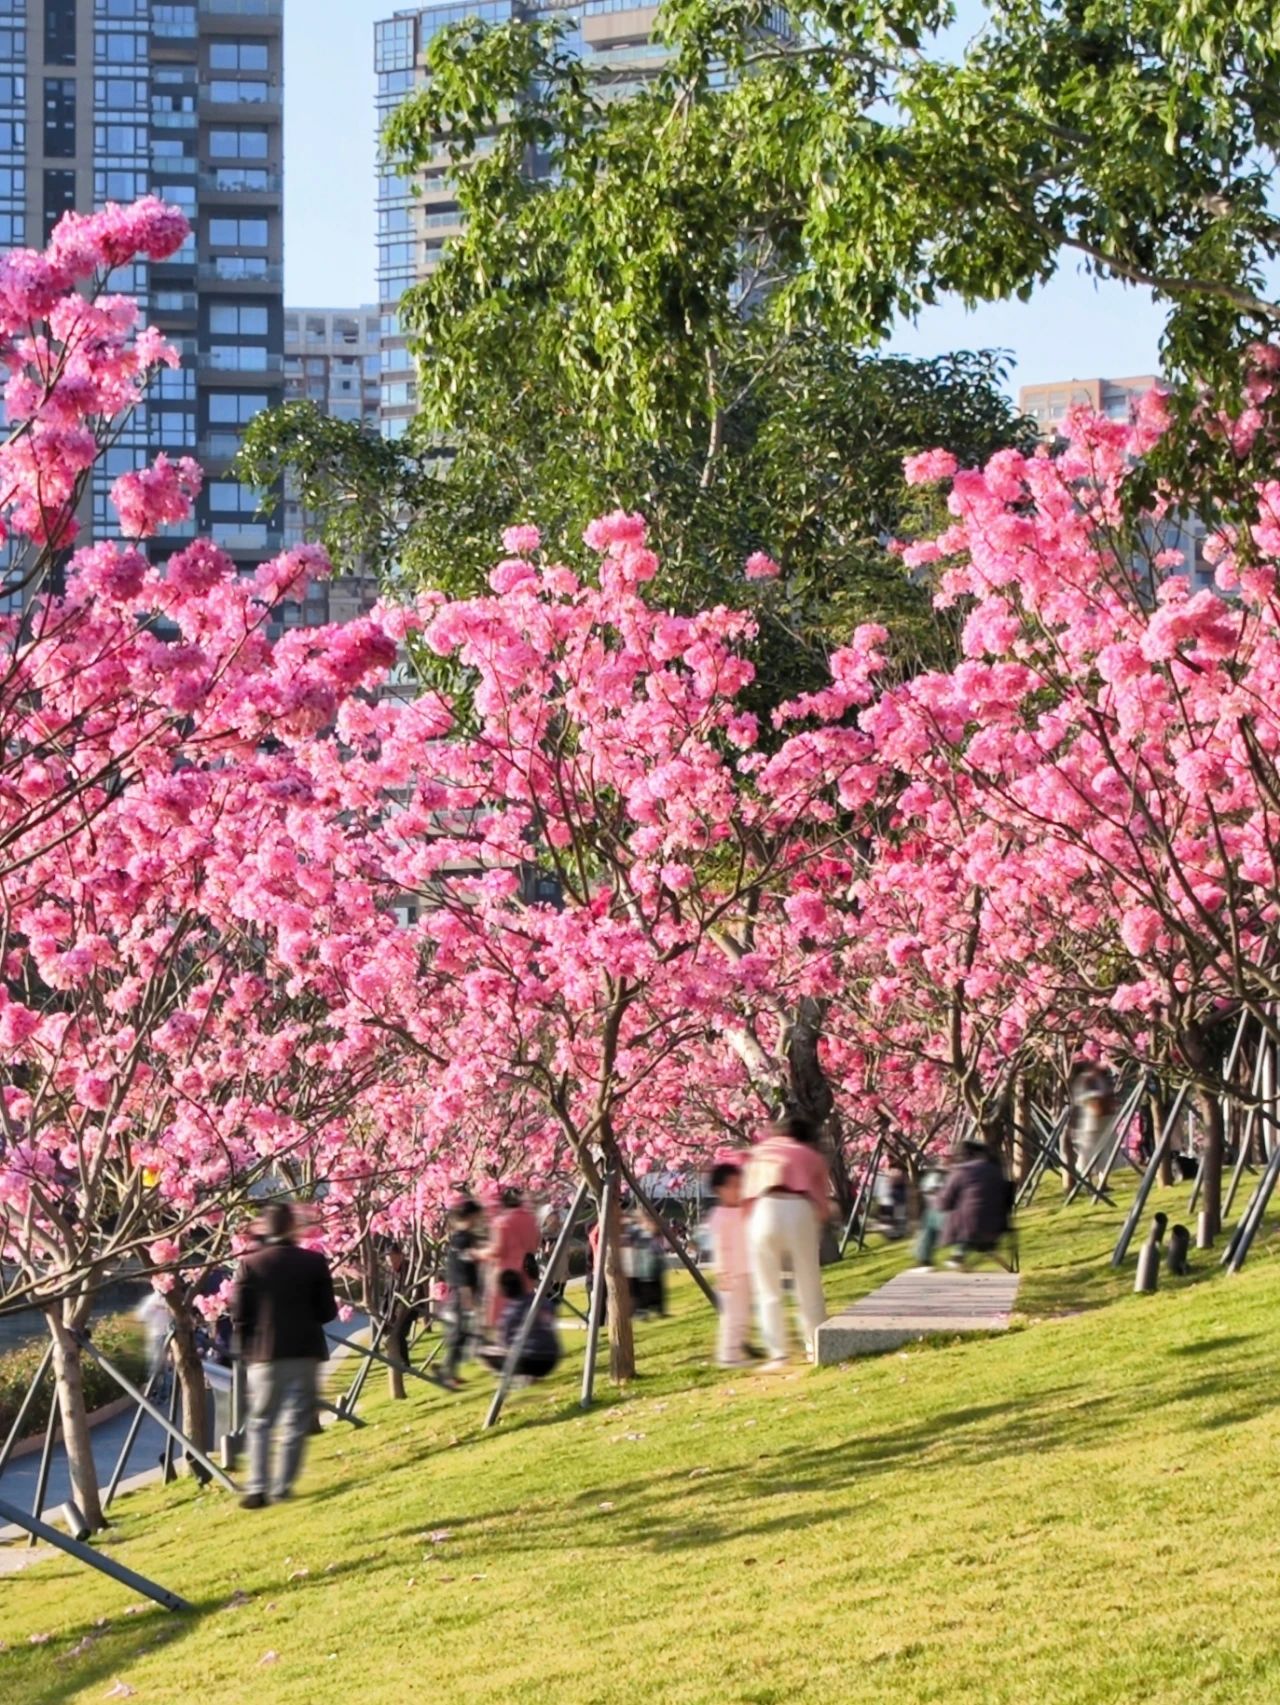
[733, 1269]
[462, 1275]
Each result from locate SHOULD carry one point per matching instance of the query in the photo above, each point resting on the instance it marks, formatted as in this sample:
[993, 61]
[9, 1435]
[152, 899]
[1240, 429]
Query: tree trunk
[391, 1344]
[1211, 1165]
[1023, 1152]
[622, 1346]
[69, 1373]
[1159, 1114]
[810, 1087]
[189, 1372]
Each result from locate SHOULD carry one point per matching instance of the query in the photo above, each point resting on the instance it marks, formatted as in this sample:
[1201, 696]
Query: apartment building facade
[108, 100]
[331, 360]
[416, 217]
[1047, 404]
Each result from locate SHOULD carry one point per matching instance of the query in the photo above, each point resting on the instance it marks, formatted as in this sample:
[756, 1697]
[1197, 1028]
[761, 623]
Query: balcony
[257, 95]
[246, 538]
[241, 181]
[174, 304]
[226, 362]
[241, 269]
[242, 8]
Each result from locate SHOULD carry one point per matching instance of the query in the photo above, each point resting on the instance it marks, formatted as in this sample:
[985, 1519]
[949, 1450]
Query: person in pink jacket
[787, 1189]
[728, 1223]
[512, 1248]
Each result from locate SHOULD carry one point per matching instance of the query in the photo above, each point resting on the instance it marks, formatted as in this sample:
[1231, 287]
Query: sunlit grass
[1084, 1509]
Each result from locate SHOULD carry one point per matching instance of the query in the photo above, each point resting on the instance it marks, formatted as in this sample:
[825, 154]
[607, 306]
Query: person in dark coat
[282, 1302]
[541, 1350]
[972, 1212]
[977, 1200]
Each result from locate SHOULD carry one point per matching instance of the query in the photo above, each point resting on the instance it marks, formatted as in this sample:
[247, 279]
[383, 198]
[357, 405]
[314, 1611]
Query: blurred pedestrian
[647, 1251]
[787, 1189]
[282, 1302]
[732, 1265]
[541, 1349]
[462, 1276]
[972, 1211]
[1091, 1096]
[513, 1245]
[157, 1322]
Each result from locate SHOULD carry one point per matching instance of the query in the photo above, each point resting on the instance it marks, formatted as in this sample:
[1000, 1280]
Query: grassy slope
[1084, 1510]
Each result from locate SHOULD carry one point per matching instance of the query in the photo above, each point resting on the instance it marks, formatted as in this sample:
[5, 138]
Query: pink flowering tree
[1111, 735]
[164, 848]
[603, 748]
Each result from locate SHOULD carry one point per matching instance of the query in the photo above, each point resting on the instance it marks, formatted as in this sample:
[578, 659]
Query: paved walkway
[18, 1482]
[916, 1304]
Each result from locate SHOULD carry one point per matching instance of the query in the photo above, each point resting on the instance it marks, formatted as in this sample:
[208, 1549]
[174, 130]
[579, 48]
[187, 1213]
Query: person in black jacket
[282, 1302]
[977, 1200]
[541, 1352]
[973, 1210]
[462, 1275]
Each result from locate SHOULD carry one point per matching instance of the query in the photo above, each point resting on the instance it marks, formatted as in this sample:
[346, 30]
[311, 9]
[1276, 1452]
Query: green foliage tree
[607, 331]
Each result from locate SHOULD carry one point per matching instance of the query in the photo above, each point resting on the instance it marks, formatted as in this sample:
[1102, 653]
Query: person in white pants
[787, 1190]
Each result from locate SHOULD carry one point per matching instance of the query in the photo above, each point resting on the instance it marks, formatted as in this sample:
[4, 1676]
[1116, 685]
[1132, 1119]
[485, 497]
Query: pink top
[729, 1242]
[515, 1235]
[781, 1163]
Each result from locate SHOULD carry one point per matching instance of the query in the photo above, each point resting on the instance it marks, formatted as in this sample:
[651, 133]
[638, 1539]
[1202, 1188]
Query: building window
[394, 44]
[59, 32]
[235, 408]
[238, 233]
[239, 357]
[173, 21]
[59, 197]
[229, 497]
[242, 144]
[238, 56]
[238, 319]
[60, 118]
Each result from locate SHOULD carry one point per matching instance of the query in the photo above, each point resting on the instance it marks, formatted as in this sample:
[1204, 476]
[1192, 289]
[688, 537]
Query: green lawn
[1085, 1509]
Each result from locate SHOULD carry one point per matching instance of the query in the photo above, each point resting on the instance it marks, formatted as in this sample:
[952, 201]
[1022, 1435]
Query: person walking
[787, 1191]
[462, 1276]
[283, 1300]
[513, 1247]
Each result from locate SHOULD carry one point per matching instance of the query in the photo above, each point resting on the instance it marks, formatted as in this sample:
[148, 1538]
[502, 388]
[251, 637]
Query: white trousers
[734, 1292]
[784, 1231]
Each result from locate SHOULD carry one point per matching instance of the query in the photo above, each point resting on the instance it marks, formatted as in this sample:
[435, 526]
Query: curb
[108, 1412]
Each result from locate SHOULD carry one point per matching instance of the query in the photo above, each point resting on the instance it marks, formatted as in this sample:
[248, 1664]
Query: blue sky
[1073, 328]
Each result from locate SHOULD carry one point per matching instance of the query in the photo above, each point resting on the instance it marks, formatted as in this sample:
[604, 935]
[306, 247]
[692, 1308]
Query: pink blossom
[760, 566]
[929, 467]
[158, 496]
[616, 532]
[521, 541]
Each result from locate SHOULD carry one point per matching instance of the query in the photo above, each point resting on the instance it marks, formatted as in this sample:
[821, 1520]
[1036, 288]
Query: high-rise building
[1048, 404]
[108, 100]
[331, 360]
[417, 216]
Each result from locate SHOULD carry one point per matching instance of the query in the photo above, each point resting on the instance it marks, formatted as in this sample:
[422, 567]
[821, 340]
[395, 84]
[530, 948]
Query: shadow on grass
[110, 1651]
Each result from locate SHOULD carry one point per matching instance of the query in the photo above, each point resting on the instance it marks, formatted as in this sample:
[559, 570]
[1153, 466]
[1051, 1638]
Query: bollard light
[73, 1520]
